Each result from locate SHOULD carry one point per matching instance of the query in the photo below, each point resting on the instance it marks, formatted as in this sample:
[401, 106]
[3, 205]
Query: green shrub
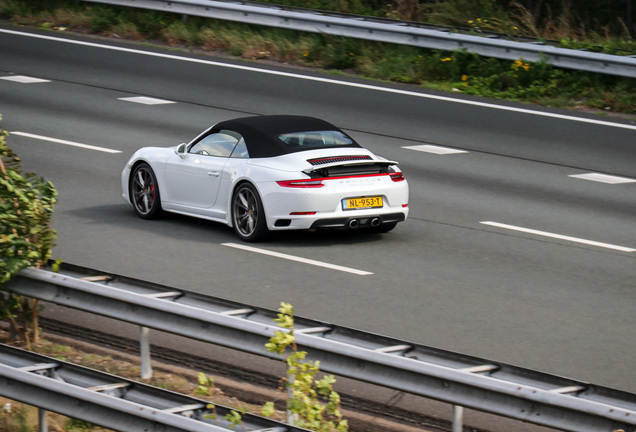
[26, 235]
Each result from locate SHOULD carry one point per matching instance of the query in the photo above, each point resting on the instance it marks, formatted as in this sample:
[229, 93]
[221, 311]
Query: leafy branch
[206, 388]
[26, 236]
[312, 402]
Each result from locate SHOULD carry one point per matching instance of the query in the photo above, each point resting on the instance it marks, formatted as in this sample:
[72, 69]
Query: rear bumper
[358, 222]
[317, 208]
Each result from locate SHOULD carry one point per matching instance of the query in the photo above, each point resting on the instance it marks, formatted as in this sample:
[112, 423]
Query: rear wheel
[248, 216]
[144, 192]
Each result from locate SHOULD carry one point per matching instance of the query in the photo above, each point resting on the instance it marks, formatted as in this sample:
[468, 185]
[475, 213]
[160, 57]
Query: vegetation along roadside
[305, 393]
[458, 71]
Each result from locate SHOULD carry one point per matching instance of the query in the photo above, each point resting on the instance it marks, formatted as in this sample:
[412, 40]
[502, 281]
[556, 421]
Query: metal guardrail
[453, 378]
[397, 32]
[111, 401]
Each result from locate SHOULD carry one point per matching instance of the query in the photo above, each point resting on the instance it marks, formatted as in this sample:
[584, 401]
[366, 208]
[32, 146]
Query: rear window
[315, 139]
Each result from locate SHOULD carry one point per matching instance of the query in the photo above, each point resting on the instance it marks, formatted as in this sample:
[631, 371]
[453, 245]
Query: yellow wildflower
[520, 64]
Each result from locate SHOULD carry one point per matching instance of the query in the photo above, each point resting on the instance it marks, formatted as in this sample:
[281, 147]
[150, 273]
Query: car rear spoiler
[386, 163]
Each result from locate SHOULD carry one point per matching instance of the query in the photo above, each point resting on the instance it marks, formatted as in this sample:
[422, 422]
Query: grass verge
[459, 71]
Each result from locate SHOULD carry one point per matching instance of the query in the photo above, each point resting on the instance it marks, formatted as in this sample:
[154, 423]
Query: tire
[248, 216]
[144, 192]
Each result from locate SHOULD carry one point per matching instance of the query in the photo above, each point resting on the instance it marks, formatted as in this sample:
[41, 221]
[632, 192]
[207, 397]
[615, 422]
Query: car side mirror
[181, 150]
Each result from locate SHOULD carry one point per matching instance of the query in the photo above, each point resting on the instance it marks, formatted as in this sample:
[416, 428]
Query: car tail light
[302, 213]
[309, 183]
[397, 177]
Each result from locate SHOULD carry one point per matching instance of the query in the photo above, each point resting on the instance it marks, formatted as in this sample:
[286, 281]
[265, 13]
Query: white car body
[293, 195]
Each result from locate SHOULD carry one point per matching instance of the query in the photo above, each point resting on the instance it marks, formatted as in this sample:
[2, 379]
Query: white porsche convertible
[267, 173]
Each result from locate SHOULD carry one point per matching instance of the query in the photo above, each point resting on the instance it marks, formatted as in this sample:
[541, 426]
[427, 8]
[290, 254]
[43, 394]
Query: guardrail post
[458, 418]
[144, 342]
[43, 424]
[291, 417]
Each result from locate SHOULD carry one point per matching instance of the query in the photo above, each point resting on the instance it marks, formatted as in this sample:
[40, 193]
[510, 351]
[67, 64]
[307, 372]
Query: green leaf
[268, 409]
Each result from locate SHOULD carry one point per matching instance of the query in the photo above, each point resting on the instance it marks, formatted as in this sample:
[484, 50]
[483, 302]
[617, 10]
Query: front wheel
[248, 216]
[144, 192]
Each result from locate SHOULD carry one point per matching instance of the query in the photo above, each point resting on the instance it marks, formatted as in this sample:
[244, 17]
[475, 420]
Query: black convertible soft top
[261, 132]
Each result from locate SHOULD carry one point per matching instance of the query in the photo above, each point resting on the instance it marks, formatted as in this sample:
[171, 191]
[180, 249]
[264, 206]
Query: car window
[316, 139]
[240, 151]
[217, 144]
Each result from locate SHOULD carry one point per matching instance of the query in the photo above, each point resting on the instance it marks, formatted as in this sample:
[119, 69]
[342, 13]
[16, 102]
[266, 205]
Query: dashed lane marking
[604, 178]
[330, 81]
[428, 148]
[146, 100]
[559, 236]
[65, 142]
[23, 79]
[297, 259]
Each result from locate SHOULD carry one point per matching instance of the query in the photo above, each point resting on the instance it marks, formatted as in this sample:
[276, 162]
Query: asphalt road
[559, 299]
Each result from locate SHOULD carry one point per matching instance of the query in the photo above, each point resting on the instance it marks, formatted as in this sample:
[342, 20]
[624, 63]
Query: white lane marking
[330, 81]
[560, 237]
[23, 79]
[298, 259]
[146, 100]
[59, 141]
[603, 178]
[434, 149]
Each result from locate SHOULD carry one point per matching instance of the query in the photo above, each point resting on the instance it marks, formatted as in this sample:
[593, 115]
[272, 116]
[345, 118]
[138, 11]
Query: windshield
[316, 139]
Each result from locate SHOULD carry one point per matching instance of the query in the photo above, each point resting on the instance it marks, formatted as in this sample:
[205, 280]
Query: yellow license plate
[362, 203]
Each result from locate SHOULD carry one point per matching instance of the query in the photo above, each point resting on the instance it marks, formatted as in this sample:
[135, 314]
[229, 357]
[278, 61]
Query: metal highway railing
[111, 401]
[396, 32]
[457, 379]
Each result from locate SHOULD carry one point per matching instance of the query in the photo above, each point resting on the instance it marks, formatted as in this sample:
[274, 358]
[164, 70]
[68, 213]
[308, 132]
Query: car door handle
[214, 173]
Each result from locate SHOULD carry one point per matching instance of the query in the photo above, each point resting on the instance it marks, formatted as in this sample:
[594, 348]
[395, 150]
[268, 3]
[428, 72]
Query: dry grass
[564, 26]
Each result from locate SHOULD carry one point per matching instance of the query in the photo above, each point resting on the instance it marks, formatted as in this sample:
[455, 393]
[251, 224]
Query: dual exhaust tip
[355, 223]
